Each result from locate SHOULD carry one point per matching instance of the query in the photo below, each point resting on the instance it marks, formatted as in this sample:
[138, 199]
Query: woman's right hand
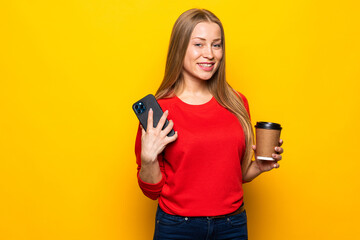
[154, 140]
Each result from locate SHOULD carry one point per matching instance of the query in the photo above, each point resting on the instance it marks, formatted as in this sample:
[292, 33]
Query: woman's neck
[194, 91]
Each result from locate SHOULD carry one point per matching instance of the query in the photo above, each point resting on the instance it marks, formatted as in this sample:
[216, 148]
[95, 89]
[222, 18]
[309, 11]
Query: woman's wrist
[256, 167]
[150, 172]
[148, 159]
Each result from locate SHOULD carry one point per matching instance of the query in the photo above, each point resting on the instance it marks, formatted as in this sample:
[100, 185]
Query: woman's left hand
[268, 165]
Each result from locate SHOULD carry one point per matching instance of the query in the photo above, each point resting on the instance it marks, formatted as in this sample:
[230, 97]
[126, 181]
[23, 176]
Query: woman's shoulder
[242, 96]
[244, 99]
[166, 101]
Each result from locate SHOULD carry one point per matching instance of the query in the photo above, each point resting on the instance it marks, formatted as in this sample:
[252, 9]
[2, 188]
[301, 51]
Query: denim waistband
[205, 217]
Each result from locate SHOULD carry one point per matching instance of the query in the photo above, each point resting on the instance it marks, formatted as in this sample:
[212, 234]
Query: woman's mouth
[206, 66]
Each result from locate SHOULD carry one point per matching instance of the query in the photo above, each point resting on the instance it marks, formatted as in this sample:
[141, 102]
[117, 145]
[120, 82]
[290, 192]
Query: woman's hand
[264, 166]
[154, 140]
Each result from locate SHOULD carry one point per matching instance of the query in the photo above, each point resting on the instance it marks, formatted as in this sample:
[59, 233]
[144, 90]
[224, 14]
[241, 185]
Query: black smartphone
[141, 109]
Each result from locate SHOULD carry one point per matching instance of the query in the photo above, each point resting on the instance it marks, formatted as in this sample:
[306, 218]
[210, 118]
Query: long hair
[217, 85]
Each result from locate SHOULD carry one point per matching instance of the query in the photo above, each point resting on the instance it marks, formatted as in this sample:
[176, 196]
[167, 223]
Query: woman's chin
[206, 77]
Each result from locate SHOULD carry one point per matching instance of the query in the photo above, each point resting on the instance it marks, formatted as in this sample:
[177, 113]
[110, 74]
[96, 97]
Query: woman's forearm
[252, 172]
[150, 172]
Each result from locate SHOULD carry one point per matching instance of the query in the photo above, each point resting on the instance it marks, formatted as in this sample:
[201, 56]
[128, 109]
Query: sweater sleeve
[150, 190]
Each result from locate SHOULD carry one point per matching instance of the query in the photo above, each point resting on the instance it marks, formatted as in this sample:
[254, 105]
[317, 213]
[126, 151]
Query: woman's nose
[208, 53]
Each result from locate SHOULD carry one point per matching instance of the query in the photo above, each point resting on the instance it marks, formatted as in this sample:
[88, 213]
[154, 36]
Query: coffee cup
[267, 138]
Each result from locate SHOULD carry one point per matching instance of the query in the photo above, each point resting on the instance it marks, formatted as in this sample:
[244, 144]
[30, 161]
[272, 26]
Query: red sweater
[201, 169]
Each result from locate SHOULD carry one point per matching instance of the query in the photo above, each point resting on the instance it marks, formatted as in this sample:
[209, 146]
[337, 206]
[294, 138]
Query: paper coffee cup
[267, 138]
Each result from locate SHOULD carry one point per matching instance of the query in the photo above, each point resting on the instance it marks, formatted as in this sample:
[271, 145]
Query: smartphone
[142, 107]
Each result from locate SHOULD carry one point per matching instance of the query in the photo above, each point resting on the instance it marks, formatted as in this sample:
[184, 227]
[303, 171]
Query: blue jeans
[172, 227]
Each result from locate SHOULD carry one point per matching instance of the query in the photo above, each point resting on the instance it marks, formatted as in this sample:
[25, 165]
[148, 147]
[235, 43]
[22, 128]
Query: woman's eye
[217, 45]
[198, 44]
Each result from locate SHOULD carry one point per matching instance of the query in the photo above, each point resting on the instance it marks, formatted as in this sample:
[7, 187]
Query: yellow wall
[70, 71]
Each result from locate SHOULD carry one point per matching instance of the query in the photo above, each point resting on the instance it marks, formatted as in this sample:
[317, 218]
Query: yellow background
[70, 71]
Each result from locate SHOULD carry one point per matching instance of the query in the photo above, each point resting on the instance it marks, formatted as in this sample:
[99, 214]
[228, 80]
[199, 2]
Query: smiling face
[204, 52]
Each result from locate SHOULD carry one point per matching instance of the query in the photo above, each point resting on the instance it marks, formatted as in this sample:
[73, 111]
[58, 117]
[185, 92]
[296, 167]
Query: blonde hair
[218, 86]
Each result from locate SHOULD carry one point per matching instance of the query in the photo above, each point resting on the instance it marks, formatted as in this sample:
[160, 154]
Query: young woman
[197, 174]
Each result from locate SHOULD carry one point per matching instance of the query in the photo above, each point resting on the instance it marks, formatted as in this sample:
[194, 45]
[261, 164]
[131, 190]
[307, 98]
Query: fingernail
[273, 155]
[166, 111]
[150, 109]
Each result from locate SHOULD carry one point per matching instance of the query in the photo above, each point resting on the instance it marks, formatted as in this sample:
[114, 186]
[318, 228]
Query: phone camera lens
[140, 107]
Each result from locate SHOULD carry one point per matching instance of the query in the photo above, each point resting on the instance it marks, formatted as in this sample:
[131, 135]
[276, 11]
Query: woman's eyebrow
[217, 39]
